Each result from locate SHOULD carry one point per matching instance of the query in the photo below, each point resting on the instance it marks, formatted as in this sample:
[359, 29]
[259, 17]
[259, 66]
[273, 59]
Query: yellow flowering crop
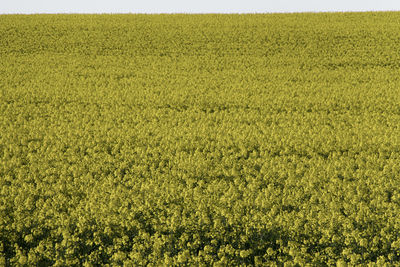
[199, 140]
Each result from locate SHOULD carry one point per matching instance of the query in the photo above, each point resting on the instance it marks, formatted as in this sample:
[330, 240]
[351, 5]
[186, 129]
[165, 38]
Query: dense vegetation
[200, 139]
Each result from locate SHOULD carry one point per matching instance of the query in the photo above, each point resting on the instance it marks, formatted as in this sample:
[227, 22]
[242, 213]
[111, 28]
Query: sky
[191, 6]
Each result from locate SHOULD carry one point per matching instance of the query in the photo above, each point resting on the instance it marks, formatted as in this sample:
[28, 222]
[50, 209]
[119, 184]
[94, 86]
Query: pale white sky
[191, 6]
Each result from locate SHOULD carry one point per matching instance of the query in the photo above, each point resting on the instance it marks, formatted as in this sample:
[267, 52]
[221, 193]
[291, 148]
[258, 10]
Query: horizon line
[199, 13]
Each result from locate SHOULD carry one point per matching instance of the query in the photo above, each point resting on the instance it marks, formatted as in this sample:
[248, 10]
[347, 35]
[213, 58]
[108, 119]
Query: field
[198, 140]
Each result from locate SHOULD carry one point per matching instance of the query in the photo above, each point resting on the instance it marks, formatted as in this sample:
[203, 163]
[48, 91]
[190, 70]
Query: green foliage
[251, 140]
